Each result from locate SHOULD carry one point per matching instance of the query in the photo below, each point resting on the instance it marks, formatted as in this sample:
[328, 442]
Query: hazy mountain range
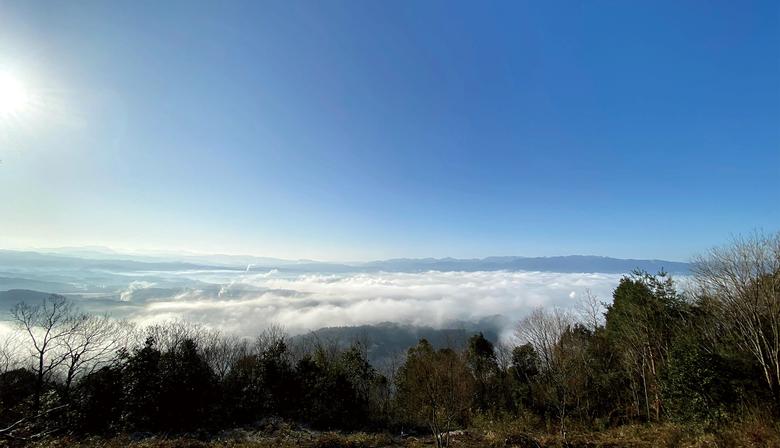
[242, 294]
[107, 259]
[96, 272]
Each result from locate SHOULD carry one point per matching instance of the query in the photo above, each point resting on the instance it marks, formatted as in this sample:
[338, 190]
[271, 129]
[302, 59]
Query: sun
[14, 97]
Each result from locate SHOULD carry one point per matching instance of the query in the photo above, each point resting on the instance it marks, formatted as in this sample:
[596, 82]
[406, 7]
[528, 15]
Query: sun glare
[14, 96]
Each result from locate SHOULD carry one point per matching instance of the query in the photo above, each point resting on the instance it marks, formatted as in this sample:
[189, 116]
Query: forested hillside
[703, 365]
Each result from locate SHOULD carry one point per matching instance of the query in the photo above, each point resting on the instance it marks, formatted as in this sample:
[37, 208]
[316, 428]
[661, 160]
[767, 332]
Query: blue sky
[356, 130]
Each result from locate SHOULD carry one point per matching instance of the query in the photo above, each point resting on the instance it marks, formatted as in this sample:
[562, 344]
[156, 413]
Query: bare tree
[47, 325]
[221, 352]
[544, 330]
[743, 282]
[323, 348]
[9, 353]
[591, 310]
[168, 335]
[270, 338]
[503, 353]
[93, 342]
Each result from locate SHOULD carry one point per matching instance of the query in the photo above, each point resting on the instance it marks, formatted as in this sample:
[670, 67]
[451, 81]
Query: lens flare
[15, 99]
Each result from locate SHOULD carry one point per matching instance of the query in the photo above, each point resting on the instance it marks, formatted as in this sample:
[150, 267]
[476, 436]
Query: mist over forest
[305, 296]
[389, 224]
[118, 346]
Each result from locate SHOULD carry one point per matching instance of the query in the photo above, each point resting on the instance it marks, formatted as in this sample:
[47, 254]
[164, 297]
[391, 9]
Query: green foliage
[16, 389]
[525, 367]
[696, 383]
[525, 362]
[481, 358]
[243, 391]
[98, 407]
[141, 388]
[656, 358]
[607, 389]
[435, 389]
[187, 388]
[640, 325]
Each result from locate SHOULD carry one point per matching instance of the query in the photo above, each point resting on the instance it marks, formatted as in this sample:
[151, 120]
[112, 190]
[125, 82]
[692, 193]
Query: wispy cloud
[127, 294]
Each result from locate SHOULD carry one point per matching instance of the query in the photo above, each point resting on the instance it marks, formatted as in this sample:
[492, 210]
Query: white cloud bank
[248, 303]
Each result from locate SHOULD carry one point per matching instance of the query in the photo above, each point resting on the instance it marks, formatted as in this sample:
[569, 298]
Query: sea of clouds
[244, 303]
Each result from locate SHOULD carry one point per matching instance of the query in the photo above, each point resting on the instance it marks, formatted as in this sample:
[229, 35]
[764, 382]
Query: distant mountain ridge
[38, 260]
[567, 263]
[81, 259]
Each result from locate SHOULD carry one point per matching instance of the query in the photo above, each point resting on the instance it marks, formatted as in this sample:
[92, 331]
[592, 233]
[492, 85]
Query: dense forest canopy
[653, 353]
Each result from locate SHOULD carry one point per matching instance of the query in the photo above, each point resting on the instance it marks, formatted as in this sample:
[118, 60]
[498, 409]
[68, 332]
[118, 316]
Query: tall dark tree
[640, 323]
[435, 388]
[98, 401]
[17, 388]
[481, 358]
[187, 388]
[142, 387]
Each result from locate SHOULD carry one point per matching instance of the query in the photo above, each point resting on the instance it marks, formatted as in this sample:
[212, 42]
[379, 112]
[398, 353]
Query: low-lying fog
[244, 303]
[245, 300]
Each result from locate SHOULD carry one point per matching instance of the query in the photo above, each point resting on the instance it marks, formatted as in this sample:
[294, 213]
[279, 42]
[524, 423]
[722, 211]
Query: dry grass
[322, 440]
[751, 433]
